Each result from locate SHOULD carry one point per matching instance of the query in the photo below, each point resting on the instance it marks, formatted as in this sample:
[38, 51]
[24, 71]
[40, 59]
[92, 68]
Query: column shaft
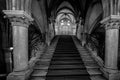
[111, 48]
[20, 44]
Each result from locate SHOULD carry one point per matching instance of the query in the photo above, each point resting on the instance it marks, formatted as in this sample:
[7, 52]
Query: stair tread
[69, 78]
[66, 55]
[67, 67]
[93, 71]
[39, 73]
[38, 78]
[66, 52]
[60, 51]
[41, 67]
[66, 72]
[43, 62]
[66, 62]
[98, 77]
[92, 66]
[64, 58]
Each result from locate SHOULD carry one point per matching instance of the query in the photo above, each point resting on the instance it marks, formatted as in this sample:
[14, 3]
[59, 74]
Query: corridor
[67, 63]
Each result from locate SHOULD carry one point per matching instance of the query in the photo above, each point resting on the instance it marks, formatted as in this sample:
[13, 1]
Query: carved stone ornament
[19, 21]
[18, 17]
[111, 22]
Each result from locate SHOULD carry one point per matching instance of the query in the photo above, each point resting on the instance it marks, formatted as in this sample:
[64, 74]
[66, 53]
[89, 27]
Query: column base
[22, 75]
[111, 74]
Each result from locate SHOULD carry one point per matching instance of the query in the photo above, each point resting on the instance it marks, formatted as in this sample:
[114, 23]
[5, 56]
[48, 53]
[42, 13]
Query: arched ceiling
[48, 10]
[77, 6]
[65, 4]
[65, 13]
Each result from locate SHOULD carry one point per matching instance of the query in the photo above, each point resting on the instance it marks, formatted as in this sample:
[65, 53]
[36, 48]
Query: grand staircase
[65, 61]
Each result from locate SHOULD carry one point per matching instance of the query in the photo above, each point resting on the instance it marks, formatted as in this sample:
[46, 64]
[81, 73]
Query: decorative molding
[18, 21]
[18, 17]
[18, 13]
[112, 17]
[111, 22]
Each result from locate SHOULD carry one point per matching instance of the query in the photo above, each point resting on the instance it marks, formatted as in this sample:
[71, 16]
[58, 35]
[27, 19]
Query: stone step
[66, 55]
[97, 77]
[66, 58]
[67, 73]
[86, 57]
[92, 67]
[95, 66]
[45, 60]
[39, 73]
[66, 62]
[68, 78]
[67, 67]
[66, 52]
[84, 54]
[41, 67]
[46, 57]
[38, 78]
[88, 60]
[93, 71]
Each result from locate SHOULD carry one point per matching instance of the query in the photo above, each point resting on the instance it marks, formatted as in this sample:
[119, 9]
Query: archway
[65, 23]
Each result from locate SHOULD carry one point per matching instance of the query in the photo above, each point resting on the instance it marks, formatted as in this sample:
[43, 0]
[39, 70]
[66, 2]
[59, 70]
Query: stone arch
[65, 4]
[36, 10]
[105, 4]
[67, 12]
[61, 15]
[94, 12]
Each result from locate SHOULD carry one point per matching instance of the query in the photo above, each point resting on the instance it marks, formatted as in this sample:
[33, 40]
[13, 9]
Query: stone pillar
[20, 43]
[111, 46]
[20, 22]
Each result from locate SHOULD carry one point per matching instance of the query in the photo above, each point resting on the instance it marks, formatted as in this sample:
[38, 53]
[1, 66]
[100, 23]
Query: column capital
[18, 17]
[111, 22]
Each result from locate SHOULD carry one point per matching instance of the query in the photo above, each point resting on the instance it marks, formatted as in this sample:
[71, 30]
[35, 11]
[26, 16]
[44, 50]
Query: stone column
[20, 43]
[20, 22]
[111, 46]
